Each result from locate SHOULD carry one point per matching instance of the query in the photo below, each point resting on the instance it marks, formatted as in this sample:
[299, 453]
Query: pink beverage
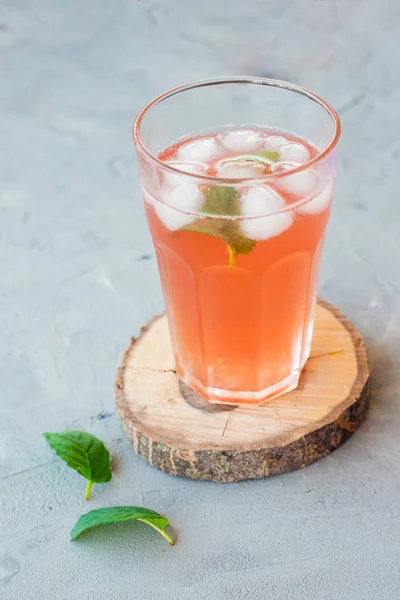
[238, 218]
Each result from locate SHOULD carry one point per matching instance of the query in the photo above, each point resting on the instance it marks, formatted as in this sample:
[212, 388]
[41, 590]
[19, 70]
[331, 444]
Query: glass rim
[142, 149]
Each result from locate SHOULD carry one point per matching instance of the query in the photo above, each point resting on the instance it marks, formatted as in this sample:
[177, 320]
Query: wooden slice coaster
[177, 431]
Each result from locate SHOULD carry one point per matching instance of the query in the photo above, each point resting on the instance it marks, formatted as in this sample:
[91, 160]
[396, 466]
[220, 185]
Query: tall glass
[240, 316]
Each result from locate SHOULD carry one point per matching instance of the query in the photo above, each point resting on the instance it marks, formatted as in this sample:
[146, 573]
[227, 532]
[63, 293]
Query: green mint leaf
[121, 514]
[265, 156]
[83, 452]
[223, 201]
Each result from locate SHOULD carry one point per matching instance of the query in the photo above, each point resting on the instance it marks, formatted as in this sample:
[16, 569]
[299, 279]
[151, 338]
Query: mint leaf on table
[83, 452]
[223, 201]
[121, 514]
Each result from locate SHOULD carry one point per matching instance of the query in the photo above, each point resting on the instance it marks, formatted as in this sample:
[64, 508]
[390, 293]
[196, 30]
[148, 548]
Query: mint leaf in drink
[219, 202]
[121, 514]
[83, 452]
[265, 156]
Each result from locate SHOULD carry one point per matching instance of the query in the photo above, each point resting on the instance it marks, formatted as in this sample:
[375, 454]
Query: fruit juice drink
[238, 239]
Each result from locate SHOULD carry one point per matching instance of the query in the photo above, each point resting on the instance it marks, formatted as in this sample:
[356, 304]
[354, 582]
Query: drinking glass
[240, 316]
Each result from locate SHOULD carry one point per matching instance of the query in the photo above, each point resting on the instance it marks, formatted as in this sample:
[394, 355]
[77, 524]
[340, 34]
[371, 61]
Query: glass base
[223, 396]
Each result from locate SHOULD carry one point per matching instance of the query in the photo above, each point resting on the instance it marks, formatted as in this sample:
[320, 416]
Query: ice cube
[184, 197]
[264, 201]
[199, 150]
[238, 169]
[170, 179]
[173, 219]
[293, 151]
[299, 184]
[242, 140]
[274, 142]
[283, 166]
[319, 203]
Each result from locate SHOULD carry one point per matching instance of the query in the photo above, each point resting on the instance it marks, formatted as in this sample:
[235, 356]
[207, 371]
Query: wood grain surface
[177, 431]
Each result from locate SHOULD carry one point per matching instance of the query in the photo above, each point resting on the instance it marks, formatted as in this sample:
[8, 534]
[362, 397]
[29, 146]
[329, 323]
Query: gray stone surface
[78, 276]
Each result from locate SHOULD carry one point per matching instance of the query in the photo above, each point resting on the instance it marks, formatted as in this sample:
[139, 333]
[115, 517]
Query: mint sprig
[223, 201]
